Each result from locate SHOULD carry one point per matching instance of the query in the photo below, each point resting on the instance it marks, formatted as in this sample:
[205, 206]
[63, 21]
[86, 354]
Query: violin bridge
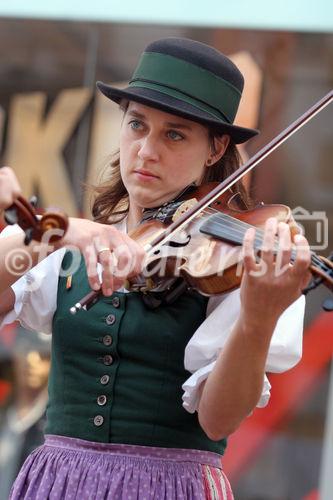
[142, 286]
[184, 207]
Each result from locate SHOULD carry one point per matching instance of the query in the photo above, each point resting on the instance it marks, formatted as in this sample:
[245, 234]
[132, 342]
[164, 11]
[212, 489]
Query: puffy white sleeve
[35, 292]
[204, 347]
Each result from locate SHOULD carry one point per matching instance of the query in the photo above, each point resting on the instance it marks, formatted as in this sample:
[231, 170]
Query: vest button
[105, 379]
[108, 359]
[107, 340]
[101, 400]
[98, 420]
[115, 301]
[110, 319]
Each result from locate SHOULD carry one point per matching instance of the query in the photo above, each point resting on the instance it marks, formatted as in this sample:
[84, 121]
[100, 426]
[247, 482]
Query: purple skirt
[68, 469]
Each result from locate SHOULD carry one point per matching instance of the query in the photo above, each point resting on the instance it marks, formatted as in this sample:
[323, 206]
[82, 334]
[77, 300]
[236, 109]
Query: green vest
[117, 369]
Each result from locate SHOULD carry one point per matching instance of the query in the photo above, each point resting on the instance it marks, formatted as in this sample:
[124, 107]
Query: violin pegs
[328, 305]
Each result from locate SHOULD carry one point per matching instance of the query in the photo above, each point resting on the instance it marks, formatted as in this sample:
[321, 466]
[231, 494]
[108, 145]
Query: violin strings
[237, 228]
[241, 226]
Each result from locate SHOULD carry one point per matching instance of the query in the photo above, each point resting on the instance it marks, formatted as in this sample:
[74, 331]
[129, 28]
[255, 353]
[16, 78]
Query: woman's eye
[135, 124]
[175, 136]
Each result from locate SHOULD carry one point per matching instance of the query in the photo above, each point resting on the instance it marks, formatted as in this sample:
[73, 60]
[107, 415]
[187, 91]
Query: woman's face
[160, 154]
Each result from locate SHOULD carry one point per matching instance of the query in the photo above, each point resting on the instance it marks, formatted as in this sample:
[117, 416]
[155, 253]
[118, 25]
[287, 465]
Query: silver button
[108, 359]
[101, 400]
[105, 379]
[98, 420]
[107, 340]
[110, 319]
[115, 301]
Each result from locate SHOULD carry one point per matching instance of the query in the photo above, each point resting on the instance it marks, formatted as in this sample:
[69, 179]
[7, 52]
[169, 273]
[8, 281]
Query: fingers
[109, 282]
[271, 285]
[284, 248]
[124, 258]
[119, 257]
[267, 249]
[275, 249]
[276, 252]
[284, 252]
[303, 257]
[276, 246]
[268, 242]
[90, 257]
[249, 260]
[138, 256]
[9, 187]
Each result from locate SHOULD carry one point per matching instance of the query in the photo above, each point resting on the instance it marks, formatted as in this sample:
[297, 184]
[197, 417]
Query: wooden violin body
[207, 254]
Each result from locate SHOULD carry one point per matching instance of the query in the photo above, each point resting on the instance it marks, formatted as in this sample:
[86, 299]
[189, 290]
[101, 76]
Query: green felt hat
[189, 79]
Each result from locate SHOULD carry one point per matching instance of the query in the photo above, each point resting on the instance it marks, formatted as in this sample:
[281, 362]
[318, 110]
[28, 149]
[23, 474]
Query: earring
[209, 162]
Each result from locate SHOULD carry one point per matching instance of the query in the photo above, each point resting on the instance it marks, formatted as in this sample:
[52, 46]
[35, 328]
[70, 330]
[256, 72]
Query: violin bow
[92, 297]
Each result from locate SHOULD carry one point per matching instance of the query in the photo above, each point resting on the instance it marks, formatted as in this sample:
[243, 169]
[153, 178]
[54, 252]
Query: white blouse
[36, 302]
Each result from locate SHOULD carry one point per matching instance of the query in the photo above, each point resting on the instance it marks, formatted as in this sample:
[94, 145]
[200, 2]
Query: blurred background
[57, 133]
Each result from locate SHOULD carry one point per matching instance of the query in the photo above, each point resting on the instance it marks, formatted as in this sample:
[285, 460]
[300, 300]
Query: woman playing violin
[125, 418]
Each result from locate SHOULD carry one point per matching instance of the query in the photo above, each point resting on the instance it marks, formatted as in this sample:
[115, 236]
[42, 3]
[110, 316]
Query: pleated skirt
[66, 468]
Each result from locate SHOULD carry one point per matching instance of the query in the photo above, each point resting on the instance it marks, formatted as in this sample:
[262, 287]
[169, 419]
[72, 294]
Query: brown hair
[111, 197]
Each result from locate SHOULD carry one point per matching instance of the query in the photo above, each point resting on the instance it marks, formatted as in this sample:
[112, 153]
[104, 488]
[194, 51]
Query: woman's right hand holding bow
[119, 255]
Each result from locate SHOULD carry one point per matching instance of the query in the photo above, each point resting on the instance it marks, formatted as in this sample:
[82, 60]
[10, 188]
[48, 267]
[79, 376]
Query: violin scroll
[23, 213]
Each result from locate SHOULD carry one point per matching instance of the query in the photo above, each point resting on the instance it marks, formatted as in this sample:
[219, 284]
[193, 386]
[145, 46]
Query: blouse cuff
[191, 389]
[35, 292]
[19, 292]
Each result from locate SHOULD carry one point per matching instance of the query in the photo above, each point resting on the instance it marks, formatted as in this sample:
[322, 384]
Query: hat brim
[177, 107]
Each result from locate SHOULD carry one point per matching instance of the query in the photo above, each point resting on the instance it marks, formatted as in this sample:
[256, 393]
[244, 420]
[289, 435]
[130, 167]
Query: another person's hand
[272, 284]
[9, 187]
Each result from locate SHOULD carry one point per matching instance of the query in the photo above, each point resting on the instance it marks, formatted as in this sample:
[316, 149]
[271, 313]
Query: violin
[207, 255]
[23, 213]
[199, 238]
